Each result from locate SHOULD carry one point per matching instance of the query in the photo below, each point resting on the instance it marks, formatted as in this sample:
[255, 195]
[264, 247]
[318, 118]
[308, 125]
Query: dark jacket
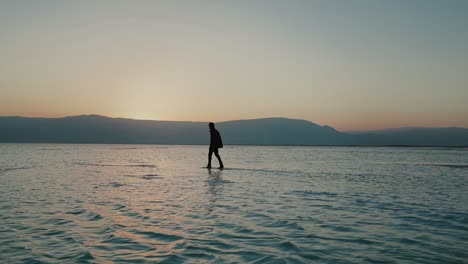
[215, 139]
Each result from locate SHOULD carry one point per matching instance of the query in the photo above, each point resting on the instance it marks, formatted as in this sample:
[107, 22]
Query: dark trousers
[210, 154]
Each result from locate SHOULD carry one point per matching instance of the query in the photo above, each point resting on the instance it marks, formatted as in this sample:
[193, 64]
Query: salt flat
[154, 203]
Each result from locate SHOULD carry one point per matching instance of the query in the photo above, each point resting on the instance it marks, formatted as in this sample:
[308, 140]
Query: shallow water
[149, 203]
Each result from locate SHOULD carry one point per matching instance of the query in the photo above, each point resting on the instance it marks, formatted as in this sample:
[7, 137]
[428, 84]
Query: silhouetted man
[215, 144]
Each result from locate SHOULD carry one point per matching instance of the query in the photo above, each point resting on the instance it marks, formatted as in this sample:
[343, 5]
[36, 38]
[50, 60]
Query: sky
[350, 64]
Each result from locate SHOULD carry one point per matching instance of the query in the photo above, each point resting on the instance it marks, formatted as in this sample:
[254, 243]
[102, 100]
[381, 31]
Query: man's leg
[221, 165]
[210, 154]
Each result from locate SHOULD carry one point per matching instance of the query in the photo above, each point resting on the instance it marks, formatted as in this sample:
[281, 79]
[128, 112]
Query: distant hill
[451, 136]
[265, 131]
[280, 131]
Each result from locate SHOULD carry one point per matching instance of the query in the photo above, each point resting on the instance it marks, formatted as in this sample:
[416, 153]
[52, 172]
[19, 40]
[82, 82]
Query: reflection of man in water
[215, 144]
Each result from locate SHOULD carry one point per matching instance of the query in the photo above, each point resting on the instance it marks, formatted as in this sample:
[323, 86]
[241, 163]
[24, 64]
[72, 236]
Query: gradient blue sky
[354, 65]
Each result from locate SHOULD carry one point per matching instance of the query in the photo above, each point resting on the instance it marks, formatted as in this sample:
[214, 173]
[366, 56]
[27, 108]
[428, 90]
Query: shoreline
[244, 145]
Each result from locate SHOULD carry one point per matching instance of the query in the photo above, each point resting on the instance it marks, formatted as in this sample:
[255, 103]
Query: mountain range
[264, 131]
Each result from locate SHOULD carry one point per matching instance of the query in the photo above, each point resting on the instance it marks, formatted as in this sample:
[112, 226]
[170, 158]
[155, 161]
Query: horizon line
[246, 119]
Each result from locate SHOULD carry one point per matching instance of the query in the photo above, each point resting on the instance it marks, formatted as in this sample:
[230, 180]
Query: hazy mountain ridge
[264, 131]
[417, 136]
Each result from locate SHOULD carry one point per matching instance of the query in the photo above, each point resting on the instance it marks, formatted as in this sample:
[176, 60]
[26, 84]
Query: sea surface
[156, 204]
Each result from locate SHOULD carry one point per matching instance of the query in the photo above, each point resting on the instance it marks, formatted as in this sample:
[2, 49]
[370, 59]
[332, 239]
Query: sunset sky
[353, 65]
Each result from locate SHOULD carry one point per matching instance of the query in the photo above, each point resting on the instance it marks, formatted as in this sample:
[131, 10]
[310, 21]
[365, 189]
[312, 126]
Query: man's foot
[221, 167]
[208, 166]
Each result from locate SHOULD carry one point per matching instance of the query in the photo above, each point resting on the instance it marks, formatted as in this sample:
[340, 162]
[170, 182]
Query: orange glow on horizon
[358, 123]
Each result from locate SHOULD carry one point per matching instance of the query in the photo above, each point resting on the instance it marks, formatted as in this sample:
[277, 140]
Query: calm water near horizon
[65, 203]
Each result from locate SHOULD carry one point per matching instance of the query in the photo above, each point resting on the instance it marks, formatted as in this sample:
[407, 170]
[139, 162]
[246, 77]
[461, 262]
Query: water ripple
[93, 204]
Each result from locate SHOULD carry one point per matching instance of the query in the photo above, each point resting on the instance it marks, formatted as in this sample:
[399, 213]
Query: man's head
[211, 125]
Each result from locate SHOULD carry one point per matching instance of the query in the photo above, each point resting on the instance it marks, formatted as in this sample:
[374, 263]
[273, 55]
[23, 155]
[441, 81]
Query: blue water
[150, 203]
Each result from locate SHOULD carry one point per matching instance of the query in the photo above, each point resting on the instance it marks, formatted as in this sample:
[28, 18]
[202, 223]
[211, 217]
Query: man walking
[215, 144]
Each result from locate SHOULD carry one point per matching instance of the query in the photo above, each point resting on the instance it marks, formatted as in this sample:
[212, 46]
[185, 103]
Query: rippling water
[148, 203]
